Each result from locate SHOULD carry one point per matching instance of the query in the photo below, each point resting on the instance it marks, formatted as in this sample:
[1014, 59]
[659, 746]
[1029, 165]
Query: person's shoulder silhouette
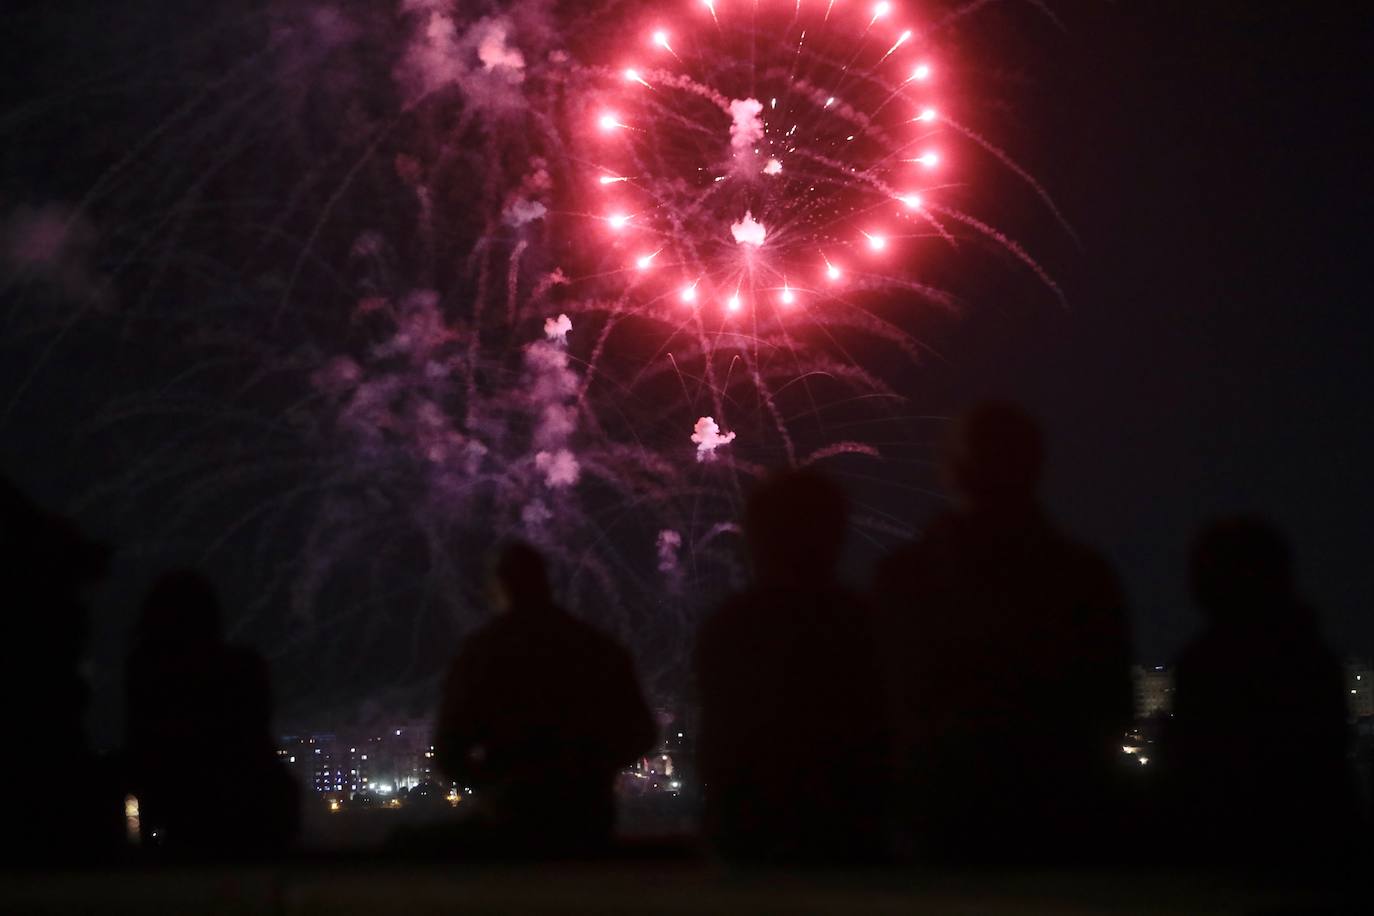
[1256, 746]
[45, 563]
[539, 713]
[793, 749]
[1008, 650]
[199, 730]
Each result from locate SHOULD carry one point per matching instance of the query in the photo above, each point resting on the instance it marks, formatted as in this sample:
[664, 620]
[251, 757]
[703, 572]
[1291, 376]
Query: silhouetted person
[45, 563]
[539, 713]
[202, 760]
[1256, 747]
[794, 748]
[1009, 654]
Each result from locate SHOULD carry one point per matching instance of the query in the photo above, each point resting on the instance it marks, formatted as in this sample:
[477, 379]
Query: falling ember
[832, 272]
[879, 11]
[773, 167]
[901, 40]
[787, 296]
[661, 39]
[633, 76]
[929, 160]
[733, 303]
[611, 179]
[876, 242]
[689, 293]
[927, 114]
[921, 73]
[617, 221]
[911, 201]
[643, 262]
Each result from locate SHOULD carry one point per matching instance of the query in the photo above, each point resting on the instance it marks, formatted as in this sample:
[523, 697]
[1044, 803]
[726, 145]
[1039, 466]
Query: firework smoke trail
[422, 294]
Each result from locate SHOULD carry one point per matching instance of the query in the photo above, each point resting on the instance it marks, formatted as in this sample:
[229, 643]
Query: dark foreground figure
[74, 813]
[539, 713]
[1009, 650]
[1256, 747]
[793, 749]
[201, 756]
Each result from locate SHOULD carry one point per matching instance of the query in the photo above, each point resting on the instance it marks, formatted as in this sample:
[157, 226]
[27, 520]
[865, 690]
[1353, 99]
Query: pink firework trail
[766, 156]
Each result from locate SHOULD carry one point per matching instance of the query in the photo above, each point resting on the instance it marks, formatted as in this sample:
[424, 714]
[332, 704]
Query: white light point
[644, 260]
[901, 40]
[911, 201]
[772, 167]
[732, 304]
[611, 179]
[879, 11]
[832, 273]
[927, 114]
[921, 73]
[661, 39]
[608, 121]
[929, 160]
[787, 297]
[876, 242]
[830, 101]
[689, 293]
[617, 221]
[633, 76]
[710, 5]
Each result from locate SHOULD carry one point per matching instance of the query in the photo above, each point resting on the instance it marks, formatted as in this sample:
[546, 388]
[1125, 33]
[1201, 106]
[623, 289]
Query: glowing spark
[611, 179]
[879, 11]
[645, 260]
[912, 201]
[787, 297]
[689, 293]
[927, 114]
[710, 5]
[921, 73]
[929, 160]
[733, 303]
[661, 39]
[618, 221]
[876, 242]
[608, 121]
[830, 101]
[901, 40]
[773, 167]
[633, 75]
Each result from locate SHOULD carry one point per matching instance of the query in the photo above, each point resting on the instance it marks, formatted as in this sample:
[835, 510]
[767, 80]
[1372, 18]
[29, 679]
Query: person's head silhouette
[995, 457]
[181, 609]
[520, 578]
[794, 525]
[1241, 571]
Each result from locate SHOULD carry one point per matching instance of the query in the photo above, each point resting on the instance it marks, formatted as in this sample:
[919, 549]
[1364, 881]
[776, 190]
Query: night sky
[1214, 355]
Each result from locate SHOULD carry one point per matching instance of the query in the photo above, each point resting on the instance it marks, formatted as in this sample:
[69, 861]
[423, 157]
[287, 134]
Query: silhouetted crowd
[969, 707]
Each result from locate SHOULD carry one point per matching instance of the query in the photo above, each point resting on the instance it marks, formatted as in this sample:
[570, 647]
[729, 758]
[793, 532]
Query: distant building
[1154, 691]
[381, 761]
[1359, 685]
